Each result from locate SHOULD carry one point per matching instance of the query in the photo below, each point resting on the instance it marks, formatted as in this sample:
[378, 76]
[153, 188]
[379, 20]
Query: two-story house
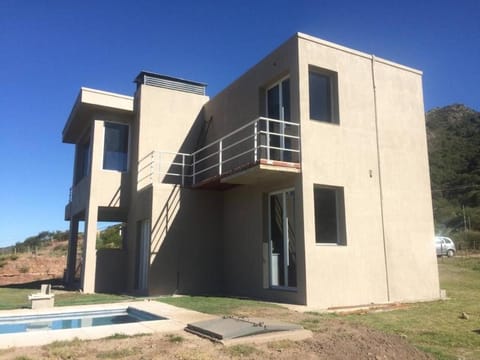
[304, 181]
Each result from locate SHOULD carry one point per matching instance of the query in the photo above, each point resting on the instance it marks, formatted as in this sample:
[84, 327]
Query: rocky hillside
[454, 151]
[44, 263]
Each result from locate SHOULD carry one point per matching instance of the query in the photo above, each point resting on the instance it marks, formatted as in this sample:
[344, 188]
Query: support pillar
[72, 251]
[90, 250]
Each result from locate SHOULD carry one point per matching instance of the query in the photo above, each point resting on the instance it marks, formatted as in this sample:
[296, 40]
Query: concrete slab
[292, 335]
[230, 330]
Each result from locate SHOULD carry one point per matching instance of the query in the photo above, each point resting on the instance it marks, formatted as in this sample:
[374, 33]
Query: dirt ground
[336, 340]
[332, 338]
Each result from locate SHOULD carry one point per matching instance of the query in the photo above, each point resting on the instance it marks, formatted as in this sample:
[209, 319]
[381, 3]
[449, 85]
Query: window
[115, 150]
[329, 215]
[278, 107]
[82, 161]
[323, 95]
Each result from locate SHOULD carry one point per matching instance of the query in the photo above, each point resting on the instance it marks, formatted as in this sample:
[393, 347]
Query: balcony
[261, 150]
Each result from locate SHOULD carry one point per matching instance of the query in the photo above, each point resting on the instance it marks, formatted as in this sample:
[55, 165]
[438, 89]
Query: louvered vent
[171, 83]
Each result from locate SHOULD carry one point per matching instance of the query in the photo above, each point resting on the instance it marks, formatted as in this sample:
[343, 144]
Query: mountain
[453, 135]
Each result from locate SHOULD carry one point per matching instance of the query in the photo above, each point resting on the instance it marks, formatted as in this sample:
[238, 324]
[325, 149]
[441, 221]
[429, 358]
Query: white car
[445, 246]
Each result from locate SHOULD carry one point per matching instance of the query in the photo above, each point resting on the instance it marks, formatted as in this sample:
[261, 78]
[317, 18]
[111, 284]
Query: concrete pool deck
[176, 320]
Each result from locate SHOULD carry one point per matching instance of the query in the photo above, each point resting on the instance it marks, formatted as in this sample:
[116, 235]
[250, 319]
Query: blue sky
[50, 48]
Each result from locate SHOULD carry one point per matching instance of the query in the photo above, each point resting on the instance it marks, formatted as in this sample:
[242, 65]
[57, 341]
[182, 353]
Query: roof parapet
[171, 83]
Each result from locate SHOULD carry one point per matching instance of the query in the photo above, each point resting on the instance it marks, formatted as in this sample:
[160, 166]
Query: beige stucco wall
[245, 243]
[346, 155]
[91, 212]
[245, 256]
[186, 241]
[110, 275]
[407, 203]
[244, 100]
[168, 120]
[111, 188]
[101, 188]
[107, 189]
[184, 224]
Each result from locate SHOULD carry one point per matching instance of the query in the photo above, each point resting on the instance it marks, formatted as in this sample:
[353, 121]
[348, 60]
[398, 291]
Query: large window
[323, 95]
[115, 150]
[329, 215]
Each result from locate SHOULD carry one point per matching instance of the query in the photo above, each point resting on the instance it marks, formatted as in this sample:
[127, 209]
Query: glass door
[282, 244]
[278, 107]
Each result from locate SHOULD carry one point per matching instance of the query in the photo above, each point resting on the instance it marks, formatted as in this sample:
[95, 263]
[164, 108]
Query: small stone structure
[44, 299]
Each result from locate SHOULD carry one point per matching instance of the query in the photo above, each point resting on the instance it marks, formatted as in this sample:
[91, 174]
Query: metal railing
[261, 139]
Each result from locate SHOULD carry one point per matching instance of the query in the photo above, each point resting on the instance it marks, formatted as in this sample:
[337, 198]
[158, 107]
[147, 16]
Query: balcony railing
[263, 140]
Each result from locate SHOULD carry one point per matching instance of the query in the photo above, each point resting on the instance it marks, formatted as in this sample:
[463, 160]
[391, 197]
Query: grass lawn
[14, 298]
[436, 327]
[17, 298]
[219, 305]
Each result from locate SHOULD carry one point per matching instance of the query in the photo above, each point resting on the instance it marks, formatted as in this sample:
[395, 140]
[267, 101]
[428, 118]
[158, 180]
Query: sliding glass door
[278, 107]
[282, 244]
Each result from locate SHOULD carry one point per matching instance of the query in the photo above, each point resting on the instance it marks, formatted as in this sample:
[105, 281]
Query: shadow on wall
[185, 246]
[110, 271]
[158, 164]
[186, 254]
[115, 201]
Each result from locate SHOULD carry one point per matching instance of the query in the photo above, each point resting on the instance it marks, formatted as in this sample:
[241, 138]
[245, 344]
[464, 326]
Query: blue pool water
[72, 320]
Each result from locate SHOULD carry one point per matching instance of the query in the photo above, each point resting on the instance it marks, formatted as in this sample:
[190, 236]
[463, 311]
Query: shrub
[110, 238]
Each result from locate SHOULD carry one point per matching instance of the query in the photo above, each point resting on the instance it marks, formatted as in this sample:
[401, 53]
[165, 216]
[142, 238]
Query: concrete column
[90, 251]
[91, 212]
[72, 251]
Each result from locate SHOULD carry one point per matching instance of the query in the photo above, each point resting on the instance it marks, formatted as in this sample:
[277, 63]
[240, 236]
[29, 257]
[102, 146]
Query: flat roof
[356, 52]
[89, 100]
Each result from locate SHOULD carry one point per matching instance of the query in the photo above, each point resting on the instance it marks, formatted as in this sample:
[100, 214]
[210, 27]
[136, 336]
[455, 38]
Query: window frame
[334, 117]
[83, 158]
[270, 249]
[105, 123]
[340, 216]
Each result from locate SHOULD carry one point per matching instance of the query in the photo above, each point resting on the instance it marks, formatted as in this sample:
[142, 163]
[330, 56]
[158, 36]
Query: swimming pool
[73, 320]
[169, 319]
